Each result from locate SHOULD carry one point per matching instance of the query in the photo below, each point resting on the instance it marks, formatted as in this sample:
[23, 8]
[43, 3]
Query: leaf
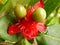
[5, 21]
[23, 42]
[52, 37]
[45, 1]
[6, 8]
[50, 6]
[51, 21]
[4, 2]
[24, 2]
[33, 2]
[1, 7]
[1, 40]
[40, 40]
[28, 2]
[27, 42]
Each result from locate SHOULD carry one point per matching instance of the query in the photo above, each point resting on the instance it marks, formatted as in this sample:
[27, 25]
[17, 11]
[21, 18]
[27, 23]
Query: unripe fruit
[20, 11]
[39, 15]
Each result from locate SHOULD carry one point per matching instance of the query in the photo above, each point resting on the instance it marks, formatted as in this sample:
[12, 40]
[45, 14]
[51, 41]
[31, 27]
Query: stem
[5, 43]
[35, 42]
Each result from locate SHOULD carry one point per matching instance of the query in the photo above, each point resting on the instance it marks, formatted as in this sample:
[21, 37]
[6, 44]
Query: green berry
[20, 11]
[39, 15]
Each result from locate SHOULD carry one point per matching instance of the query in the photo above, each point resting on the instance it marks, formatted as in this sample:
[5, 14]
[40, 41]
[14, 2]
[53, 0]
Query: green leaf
[23, 42]
[52, 37]
[40, 40]
[33, 2]
[27, 42]
[24, 2]
[50, 6]
[45, 1]
[4, 1]
[8, 7]
[5, 21]
[51, 21]
[29, 2]
[1, 7]
[1, 40]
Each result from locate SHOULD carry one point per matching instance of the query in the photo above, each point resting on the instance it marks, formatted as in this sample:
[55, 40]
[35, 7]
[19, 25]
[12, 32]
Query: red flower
[27, 26]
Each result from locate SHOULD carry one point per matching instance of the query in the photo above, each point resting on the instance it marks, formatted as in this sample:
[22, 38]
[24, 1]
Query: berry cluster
[28, 27]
